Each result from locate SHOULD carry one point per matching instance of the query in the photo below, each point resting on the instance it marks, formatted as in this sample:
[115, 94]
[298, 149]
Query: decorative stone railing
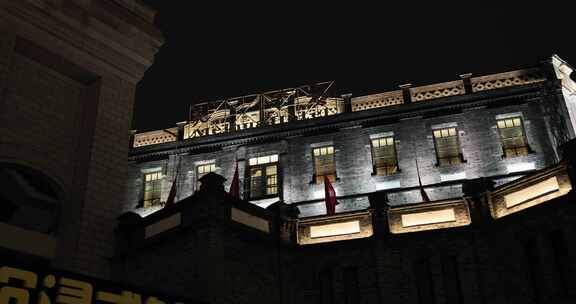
[530, 191]
[429, 216]
[508, 79]
[377, 101]
[439, 90]
[223, 121]
[155, 137]
[338, 227]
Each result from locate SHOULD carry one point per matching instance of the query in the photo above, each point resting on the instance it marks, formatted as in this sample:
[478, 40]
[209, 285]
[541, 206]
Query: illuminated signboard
[335, 229]
[530, 191]
[21, 285]
[429, 216]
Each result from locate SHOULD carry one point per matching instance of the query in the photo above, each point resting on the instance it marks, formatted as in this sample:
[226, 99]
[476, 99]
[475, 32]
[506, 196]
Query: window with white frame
[513, 137]
[263, 176]
[152, 188]
[447, 146]
[384, 159]
[324, 164]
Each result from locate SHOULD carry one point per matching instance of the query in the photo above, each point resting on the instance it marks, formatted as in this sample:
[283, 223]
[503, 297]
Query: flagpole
[418, 173]
[425, 197]
[174, 187]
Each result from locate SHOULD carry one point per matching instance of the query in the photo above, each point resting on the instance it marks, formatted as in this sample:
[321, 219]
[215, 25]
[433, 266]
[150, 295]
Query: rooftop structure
[500, 126]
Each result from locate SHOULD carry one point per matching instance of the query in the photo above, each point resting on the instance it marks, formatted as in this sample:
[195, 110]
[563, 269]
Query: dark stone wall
[525, 257]
[479, 141]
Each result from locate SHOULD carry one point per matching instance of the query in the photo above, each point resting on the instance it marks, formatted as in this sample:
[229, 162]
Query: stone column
[466, 79]
[406, 94]
[347, 103]
[132, 138]
[180, 133]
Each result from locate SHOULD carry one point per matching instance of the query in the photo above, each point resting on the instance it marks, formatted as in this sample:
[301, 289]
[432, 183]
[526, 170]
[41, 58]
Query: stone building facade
[474, 205]
[68, 71]
[213, 248]
[290, 124]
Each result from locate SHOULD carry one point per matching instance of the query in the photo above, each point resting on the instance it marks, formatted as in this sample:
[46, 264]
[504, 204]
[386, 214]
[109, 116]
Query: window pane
[152, 188]
[272, 190]
[512, 137]
[264, 179]
[256, 172]
[384, 157]
[274, 158]
[324, 163]
[271, 170]
[447, 147]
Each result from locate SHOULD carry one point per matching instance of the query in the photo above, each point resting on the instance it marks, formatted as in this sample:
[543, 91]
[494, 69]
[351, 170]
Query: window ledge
[313, 181]
[374, 174]
[530, 152]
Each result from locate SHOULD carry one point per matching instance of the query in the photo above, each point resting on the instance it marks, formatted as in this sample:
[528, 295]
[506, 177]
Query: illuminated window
[202, 170]
[263, 176]
[447, 147]
[384, 160]
[512, 136]
[152, 188]
[324, 164]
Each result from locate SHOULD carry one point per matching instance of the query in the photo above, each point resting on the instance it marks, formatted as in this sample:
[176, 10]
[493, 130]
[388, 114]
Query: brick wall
[479, 141]
[526, 257]
[66, 101]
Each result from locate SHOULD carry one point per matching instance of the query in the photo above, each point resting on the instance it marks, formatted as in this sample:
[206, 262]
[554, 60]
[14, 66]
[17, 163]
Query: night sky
[227, 50]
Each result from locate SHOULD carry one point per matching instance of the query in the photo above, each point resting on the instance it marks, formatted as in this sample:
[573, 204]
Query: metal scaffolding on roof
[263, 109]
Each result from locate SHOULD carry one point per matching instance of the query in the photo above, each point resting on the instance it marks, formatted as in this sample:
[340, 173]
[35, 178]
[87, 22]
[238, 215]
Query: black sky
[227, 50]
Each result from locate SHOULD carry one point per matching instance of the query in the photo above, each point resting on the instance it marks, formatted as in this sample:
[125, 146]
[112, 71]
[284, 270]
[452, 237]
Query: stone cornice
[117, 35]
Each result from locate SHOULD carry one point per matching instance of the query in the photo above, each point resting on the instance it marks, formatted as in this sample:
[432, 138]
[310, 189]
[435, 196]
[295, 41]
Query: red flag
[172, 194]
[235, 186]
[329, 197]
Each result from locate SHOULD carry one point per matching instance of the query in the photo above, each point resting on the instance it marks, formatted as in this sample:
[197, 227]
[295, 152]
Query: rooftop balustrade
[296, 104]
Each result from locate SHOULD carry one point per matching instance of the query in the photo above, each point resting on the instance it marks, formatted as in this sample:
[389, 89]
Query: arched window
[28, 198]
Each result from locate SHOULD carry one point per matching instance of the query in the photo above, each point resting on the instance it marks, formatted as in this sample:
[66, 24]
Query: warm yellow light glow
[429, 217]
[163, 225]
[249, 220]
[542, 188]
[263, 160]
[334, 229]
